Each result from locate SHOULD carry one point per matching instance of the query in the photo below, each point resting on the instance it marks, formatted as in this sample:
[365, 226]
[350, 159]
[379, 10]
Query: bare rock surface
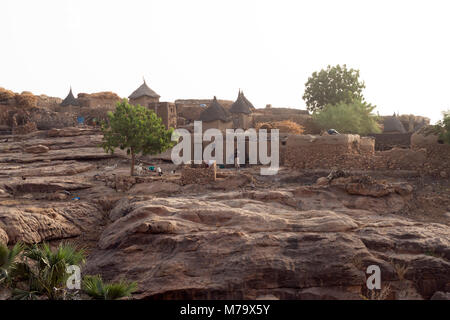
[289, 236]
[156, 187]
[46, 184]
[71, 132]
[37, 149]
[32, 224]
[61, 154]
[44, 169]
[254, 244]
[3, 237]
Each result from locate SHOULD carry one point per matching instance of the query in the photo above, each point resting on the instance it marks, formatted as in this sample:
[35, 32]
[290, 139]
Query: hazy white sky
[198, 49]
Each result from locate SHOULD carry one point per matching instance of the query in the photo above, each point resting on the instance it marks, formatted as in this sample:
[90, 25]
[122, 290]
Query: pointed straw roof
[215, 111]
[241, 105]
[70, 100]
[143, 90]
[393, 124]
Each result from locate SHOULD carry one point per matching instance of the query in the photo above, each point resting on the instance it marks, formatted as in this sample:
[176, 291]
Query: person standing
[236, 163]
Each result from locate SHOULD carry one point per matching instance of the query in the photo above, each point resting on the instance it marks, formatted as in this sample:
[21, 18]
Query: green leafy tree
[355, 117]
[97, 289]
[45, 270]
[331, 86]
[135, 129]
[444, 124]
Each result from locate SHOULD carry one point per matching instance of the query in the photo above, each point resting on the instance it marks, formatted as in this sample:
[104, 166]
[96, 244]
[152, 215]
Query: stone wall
[166, 111]
[198, 174]
[349, 152]
[24, 129]
[326, 152]
[46, 119]
[438, 160]
[367, 145]
[387, 141]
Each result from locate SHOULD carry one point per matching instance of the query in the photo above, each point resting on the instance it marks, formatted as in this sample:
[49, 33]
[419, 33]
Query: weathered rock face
[156, 187]
[240, 236]
[55, 168]
[31, 224]
[37, 149]
[45, 184]
[247, 245]
[61, 154]
[3, 237]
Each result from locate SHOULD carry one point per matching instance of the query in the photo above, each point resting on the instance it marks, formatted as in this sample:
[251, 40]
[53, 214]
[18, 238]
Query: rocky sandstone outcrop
[32, 224]
[240, 236]
[3, 237]
[246, 245]
[37, 149]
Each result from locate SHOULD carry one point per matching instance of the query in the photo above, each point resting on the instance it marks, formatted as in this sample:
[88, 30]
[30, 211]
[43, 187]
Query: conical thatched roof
[70, 100]
[143, 90]
[393, 124]
[215, 111]
[241, 105]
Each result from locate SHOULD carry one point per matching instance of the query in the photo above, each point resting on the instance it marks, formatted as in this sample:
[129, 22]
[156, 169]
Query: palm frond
[97, 289]
[119, 290]
[93, 286]
[19, 294]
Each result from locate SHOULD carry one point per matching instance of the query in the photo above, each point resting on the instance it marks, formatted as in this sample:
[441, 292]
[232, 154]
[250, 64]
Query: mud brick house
[394, 135]
[166, 111]
[216, 116]
[143, 96]
[241, 111]
[189, 110]
[70, 101]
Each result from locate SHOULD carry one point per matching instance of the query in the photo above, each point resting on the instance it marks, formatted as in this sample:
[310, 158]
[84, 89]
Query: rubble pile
[198, 174]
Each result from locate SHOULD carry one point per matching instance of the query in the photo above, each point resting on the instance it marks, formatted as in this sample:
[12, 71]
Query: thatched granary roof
[143, 90]
[215, 111]
[70, 100]
[241, 105]
[393, 124]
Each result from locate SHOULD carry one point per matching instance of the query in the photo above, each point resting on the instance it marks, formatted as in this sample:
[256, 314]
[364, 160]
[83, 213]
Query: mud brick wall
[192, 174]
[387, 141]
[399, 159]
[367, 145]
[325, 152]
[24, 129]
[438, 160]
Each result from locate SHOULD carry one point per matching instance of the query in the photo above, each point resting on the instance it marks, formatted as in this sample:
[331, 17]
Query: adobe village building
[145, 96]
[239, 116]
[70, 101]
[216, 116]
[241, 111]
[225, 114]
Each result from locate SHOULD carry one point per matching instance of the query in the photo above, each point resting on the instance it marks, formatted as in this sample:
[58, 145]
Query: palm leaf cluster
[97, 289]
[38, 272]
[45, 270]
[8, 261]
